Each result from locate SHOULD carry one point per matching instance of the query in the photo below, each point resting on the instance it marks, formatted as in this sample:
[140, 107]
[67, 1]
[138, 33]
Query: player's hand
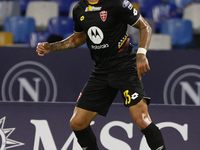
[142, 65]
[43, 48]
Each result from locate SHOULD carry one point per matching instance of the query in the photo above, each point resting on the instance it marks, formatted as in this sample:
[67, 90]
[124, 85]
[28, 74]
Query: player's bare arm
[145, 38]
[73, 41]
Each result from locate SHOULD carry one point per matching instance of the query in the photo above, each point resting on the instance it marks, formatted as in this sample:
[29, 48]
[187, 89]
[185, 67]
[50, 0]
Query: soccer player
[102, 24]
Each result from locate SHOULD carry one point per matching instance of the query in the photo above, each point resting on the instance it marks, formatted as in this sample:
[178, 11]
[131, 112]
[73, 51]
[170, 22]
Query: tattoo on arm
[54, 47]
[71, 42]
[65, 44]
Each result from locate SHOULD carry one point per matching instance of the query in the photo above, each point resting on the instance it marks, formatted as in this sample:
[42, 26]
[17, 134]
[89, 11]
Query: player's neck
[93, 1]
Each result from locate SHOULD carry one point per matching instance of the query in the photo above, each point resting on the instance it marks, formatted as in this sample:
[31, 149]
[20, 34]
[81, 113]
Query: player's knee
[77, 125]
[142, 122]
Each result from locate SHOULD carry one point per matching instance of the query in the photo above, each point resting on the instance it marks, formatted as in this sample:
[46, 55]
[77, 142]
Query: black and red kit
[105, 25]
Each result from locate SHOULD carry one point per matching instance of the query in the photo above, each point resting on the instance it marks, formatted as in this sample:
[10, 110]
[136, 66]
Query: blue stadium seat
[180, 31]
[60, 26]
[20, 27]
[37, 37]
[162, 12]
[146, 5]
[180, 4]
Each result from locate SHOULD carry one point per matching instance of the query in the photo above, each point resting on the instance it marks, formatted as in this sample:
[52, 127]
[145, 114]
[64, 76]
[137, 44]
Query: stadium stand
[24, 3]
[35, 37]
[160, 11]
[45, 11]
[160, 42]
[8, 8]
[146, 5]
[180, 3]
[192, 13]
[60, 26]
[6, 38]
[180, 31]
[64, 6]
[20, 27]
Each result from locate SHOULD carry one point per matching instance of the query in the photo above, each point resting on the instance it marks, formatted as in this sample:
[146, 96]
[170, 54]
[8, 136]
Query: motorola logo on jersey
[29, 81]
[183, 86]
[95, 34]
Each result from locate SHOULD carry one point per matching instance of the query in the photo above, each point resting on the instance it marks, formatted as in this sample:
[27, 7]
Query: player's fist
[43, 48]
[142, 65]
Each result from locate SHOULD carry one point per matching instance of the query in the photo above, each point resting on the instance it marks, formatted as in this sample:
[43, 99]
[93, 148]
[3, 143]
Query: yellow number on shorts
[127, 97]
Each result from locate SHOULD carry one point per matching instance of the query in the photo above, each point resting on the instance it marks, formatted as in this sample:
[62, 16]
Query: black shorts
[101, 89]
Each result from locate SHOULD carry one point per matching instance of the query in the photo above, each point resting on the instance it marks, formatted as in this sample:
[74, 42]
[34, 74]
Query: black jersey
[105, 25]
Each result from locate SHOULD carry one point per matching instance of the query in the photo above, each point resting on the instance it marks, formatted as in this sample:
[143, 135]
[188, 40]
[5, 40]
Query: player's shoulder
[119, 3]
[78, 6]
[81, 3]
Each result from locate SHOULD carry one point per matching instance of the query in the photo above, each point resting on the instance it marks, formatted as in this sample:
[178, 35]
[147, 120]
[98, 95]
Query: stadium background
[38, 94]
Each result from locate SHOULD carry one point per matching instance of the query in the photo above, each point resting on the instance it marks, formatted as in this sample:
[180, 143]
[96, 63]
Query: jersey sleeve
[127, 12]
[77, 27]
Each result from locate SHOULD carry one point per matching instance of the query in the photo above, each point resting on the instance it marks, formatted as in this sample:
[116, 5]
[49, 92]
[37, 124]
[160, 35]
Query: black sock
[87, 139]
[154, 137]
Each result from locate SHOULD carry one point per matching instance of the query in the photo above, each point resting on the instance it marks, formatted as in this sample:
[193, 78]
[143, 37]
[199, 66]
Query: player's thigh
[97, 95]
[130, 86]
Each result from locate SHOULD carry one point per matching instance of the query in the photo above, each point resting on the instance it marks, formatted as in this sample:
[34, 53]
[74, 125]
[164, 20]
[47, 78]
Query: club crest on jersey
[103, 15]
[92, 8]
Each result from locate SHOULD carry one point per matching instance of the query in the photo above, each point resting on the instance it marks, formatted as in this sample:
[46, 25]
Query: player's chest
[102, 17]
